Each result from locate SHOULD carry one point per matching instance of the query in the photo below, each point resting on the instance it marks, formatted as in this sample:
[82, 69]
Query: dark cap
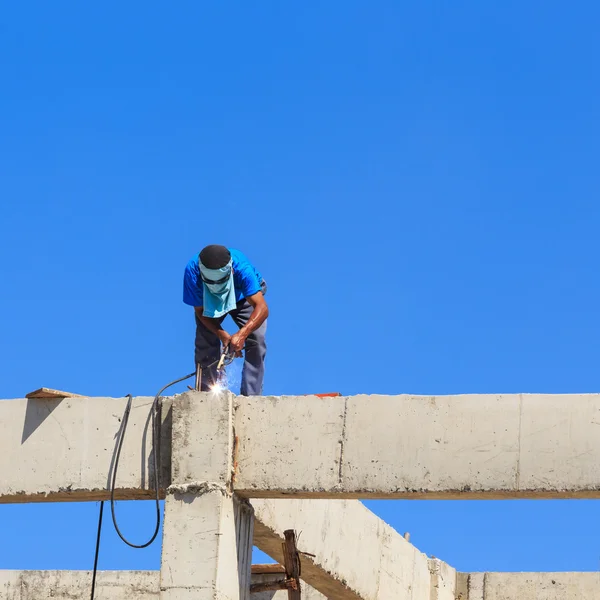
[215, 256]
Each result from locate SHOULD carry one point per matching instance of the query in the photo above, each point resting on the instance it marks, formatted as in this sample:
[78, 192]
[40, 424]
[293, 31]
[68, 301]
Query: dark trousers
[208, 350]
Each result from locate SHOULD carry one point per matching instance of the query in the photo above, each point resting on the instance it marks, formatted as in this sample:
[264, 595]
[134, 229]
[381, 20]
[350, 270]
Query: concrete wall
[529, 586]
[475, 446]
[144, 585]
[67, 585]
[62, 449]
[110, 585]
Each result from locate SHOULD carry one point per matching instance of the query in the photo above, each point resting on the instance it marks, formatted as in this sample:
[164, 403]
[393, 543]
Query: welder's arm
[257, 318]
[213, 325]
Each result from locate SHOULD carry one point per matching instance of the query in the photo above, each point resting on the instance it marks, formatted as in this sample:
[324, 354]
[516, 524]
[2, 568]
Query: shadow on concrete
[264, 595]
[113, 458]
[165, 430]
[163, 450]
[36, 412]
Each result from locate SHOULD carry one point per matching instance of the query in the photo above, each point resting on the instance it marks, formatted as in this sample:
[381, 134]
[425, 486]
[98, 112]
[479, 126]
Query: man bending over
[219, 281]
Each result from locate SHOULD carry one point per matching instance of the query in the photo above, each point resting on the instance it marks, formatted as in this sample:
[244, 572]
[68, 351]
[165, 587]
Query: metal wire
[229, 358]
[155, 452]
[97, 549]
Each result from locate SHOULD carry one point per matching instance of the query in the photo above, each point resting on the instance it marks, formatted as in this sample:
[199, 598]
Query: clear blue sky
[418, 182]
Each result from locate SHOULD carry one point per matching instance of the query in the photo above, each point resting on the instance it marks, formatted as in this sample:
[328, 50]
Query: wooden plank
[267, 569]
[44, 392]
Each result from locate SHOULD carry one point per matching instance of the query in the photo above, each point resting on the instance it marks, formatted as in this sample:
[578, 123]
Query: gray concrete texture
[356, 554]
[67, 585]
[262, 447]
[308, 592]
[110, 585]
[486, 446]
[199, 556]
[208, 531]
[62, 449]
[528, 586]
[144, 585]
[202, 438]
[471, 446]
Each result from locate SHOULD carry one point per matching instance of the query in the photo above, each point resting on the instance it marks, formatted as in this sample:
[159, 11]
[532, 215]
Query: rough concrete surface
[308, 593]
[110, 585]
[529, 586]
[207, 540]
[62, 449]
[474, 446]
[443, 580]
[206, 553]
[502, 446]
[67, 585]
[202, 429]
[288, 442]
[357, 555]
[471, 446]
[144, 585]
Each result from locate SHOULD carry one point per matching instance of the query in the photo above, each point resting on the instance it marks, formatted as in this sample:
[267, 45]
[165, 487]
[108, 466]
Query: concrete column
[207, 539]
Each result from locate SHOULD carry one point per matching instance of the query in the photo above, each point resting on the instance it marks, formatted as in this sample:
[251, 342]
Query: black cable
[97, 549]
[155, 446]
[155, 452]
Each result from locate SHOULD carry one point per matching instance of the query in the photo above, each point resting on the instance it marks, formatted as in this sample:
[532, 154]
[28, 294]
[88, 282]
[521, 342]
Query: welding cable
[155, 451]
[97, 549]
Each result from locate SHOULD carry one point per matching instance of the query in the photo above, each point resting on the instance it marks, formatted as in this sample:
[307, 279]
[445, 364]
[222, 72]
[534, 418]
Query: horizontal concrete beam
[473, 446]
[144, 585]
[63, 449]
[351, 554]
[66, 585]
[528, 586]
[491, 446]
[110, 585]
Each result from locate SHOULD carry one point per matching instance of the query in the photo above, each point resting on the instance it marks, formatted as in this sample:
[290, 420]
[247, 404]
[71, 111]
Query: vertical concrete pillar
[207, 537]
[443, 580]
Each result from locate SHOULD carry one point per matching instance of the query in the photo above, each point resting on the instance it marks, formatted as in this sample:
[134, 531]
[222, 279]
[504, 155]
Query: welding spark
[216, 388]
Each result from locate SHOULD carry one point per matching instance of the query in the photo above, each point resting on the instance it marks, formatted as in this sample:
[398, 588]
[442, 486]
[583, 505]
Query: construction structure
[237, 471]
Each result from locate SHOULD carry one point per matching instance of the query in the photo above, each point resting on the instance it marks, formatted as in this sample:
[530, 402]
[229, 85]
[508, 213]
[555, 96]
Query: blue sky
[417, 182]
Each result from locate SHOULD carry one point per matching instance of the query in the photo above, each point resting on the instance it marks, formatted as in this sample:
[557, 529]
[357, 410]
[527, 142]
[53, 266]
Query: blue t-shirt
[246, 279]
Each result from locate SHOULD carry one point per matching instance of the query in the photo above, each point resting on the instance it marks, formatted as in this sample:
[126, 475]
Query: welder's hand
[224, 337]
[237, 343]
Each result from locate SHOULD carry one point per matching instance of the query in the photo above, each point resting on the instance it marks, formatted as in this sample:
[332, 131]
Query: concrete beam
[491, 446]
[63, 449]
[110, 585]
[528, 586]
[66, 585]
[144, 585]
[473, 446]
[356, 555]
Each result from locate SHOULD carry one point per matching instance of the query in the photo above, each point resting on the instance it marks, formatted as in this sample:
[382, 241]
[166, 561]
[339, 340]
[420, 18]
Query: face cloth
[219, 298]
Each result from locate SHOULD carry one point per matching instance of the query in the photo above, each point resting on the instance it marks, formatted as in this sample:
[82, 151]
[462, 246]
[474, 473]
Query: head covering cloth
[218, 290]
